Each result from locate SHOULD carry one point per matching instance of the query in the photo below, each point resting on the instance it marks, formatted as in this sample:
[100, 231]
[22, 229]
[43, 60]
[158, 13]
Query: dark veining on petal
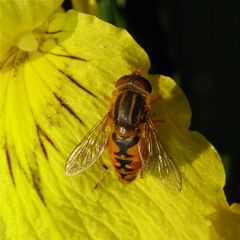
[41, 132]
[66, 51]
[35, 176]
[66, 56]
[68, 108]
[8, 60]
[35, 180]
[54, 32]
[24, 172]
[9, 164]
[37, 186]
[78, 84]
[41, 143]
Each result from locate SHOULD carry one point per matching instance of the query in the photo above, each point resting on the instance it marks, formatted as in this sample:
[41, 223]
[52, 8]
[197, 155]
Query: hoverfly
[129, 133]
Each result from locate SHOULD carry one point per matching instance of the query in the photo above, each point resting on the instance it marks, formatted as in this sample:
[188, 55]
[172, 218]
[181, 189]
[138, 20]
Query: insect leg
[102, 163]
[103, 173]
[157, 119]
[154, 100]
[152, 115]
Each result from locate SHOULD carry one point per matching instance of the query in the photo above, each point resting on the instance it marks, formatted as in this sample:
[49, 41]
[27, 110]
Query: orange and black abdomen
[129, 113]
[125, 157]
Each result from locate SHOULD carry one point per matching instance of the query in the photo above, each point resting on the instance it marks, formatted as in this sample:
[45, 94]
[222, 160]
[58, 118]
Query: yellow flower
[52, 93]
[19, 19]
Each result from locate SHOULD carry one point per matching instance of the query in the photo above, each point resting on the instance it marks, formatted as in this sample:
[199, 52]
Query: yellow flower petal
[22, 17]
[50, 98]
[226, 223]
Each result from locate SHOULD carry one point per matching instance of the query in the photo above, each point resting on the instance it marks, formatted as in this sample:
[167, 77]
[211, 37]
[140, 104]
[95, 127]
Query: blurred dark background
[198, 44]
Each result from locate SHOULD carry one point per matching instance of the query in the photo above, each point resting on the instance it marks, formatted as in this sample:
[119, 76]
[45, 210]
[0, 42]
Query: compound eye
[121, 82]
[134, 81]
[143, 84]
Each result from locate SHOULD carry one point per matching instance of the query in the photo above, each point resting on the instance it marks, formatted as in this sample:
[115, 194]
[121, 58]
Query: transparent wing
[158, 162]
[89, 149]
